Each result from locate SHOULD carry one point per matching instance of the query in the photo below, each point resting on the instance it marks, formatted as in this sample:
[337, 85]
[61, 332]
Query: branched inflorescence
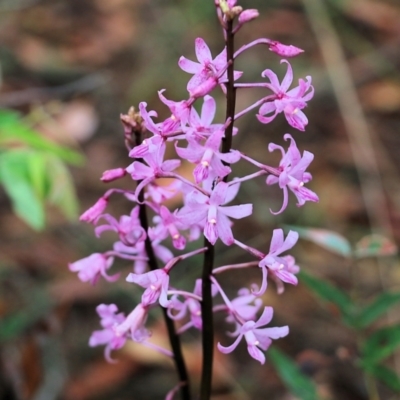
[206, 212]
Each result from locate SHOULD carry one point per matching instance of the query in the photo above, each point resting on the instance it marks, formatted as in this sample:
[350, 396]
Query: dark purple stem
[207, 304]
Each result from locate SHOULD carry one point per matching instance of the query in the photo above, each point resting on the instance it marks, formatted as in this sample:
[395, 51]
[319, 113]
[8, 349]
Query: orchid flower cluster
[206, 214]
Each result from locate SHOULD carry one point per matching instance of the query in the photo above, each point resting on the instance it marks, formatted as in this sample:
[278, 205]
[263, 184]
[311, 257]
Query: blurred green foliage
[33, 171]
[375, 345]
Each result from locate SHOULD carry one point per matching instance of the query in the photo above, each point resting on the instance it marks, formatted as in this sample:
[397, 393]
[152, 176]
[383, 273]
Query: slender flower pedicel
[208, 211]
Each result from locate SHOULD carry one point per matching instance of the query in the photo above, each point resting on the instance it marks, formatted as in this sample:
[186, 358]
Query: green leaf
[298, 383]
[375, 245]
[15, 177]
[327, 239]
[13, 130]
[380, 345]
[379, 306]
[387, 376]
[330, 293]
[37, 171]
[61, 189]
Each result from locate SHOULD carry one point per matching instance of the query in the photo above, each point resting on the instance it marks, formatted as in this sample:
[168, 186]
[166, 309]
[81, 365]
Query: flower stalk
[151, 235]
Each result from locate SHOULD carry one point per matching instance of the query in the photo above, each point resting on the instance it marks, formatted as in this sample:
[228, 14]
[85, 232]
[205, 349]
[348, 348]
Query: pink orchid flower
[257, 337]
[280, 267]
[290, 102]
[91, 268]
[168, 225]
[211, 213]
[156, 284]
[208, 157]
[206, 70]
[107, 336]
[293, 174]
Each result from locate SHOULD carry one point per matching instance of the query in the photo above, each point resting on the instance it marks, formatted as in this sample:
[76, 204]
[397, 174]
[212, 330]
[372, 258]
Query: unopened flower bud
[113, 174]
[248, 15]
[236, 10]
[284, 50]
[95, 211]
[229, 8]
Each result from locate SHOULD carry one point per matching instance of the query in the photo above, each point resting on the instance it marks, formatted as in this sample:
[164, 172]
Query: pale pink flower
[207, 157]
[156, 284]
[207, 71]
[134, 324]
[290, 102]
[91, 268]
[128, 228]
[107, 336]
[292, 173]
[257, 337]
[278, 265]
[168, 225]
[211, 213]
[156, 168]
[246, 306]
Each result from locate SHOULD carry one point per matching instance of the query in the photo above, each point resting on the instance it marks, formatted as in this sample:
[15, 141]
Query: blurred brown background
[78, 64]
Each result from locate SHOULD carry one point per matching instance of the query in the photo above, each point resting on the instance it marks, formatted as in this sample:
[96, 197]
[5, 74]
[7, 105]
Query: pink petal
[230, 348]
[273, 333]
[265, 318]
[218, 168]
[274, 86]
[288, 79]
[189, 66]
[219, 193]
[290, 241]
[220, 60]
[267, 108]
[224, 229]
[150, 125]
[284, 203]
[211, 232]
[297, 119]
[231, 157]
[271, 180]
[196, 200]
[203, 52]
[139, 171]
[303, 194]
[143, 280]
[170, 165]
[192, 153]
[237, 75]
[276, 241]
[214, 141]
[237, 212]
[264, 281]
[201, 173]
[256, 353]
[208, 111]
[265, 120]
[286, 276]
[163, 253]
